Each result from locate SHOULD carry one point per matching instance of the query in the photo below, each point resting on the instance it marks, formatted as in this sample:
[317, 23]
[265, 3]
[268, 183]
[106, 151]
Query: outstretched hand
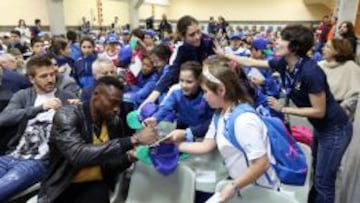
[217, 49]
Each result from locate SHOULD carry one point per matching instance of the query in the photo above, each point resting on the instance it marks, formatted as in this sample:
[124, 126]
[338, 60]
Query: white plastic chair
[301, 192]
[257, 194]
[27, 193]
[213, 163]
[149, 186]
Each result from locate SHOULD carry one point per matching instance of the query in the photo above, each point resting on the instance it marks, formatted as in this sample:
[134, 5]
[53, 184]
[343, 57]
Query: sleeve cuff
[189, 136]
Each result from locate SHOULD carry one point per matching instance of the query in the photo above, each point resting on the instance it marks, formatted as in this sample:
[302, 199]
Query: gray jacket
[21, 109]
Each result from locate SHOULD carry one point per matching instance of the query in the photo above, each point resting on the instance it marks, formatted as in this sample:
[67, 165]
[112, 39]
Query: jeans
[18, 174]
[328, 150]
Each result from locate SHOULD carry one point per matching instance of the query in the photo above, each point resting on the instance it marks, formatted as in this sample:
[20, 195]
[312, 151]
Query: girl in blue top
[160, 57]
[186, 101]
[305, 84]
[146, 81]
[82, 71]
[196, 47]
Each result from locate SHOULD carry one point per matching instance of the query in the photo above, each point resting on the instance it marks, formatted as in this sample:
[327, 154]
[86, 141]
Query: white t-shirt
[239, 52]
[33, 145]
[251, 134]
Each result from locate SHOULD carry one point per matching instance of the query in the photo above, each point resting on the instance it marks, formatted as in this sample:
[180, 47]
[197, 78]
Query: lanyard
[291, 79]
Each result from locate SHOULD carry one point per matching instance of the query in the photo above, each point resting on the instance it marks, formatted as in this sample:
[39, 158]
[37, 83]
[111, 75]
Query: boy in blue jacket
[262, 77]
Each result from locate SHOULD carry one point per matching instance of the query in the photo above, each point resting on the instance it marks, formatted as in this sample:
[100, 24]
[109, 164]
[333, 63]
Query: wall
[243, 10]
[13, 10]
[75, 9]
[237, 10]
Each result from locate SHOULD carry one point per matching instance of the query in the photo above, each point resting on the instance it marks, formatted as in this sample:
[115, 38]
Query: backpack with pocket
[290, 165]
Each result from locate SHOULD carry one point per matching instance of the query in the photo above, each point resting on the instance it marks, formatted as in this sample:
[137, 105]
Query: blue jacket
[191, 112]
[75, 51]
[82, 71]
[185, 53]
[270, 87]
[145, 86]
[62, 60]
[262, 106]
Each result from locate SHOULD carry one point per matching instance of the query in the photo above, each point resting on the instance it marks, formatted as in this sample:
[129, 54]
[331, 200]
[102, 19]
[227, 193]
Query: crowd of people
[65, 100]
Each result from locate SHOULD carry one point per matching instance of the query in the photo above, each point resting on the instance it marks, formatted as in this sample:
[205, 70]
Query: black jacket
[71, 149]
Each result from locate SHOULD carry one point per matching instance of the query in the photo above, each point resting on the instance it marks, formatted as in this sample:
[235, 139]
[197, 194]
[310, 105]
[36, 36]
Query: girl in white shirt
[223, 91]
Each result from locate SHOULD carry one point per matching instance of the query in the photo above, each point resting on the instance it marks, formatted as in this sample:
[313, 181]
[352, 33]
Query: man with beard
[88, 149]
[30, 111]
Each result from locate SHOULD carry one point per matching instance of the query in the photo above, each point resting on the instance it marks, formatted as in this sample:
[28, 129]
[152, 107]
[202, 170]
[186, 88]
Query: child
[223, 91]
[237, 46]
[112, 49]
[149, 40]
[60, 49]
[160, 57]
[262, 78]
[186, 101]
[146, 81]
[82, 68]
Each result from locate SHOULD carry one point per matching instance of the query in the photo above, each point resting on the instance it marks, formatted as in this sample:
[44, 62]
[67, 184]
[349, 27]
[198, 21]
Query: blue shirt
[75, 51]
[145, 85]
[191, 111]
[312, 80]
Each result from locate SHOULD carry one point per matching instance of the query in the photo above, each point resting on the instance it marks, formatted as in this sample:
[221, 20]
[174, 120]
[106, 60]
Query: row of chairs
[147, 185]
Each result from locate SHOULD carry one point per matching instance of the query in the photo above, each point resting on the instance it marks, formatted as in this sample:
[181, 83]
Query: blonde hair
[218, 72]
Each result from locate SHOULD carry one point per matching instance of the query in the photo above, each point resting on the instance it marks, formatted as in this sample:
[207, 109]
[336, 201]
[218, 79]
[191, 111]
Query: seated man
[12, 80]
[5, 95]
[30, 111]
[88, 149]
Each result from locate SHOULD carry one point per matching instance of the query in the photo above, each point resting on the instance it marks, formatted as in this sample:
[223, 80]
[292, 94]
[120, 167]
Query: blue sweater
[75, 51]
[191, 112]
[262, 106]
[82, 71]
[185, 53]
[145, 85]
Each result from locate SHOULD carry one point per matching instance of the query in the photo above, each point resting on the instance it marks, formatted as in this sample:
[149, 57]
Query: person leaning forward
[87, 149]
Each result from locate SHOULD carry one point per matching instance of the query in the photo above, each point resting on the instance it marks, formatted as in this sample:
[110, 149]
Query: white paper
[214, 199]
[203, 176]
[255, 73]
[135, 67]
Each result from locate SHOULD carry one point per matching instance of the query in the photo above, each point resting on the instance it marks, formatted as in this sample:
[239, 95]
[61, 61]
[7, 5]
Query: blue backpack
[290, 165]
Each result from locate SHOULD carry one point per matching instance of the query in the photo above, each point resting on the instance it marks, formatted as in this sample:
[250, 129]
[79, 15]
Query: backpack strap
[230, 127]
[230, 132]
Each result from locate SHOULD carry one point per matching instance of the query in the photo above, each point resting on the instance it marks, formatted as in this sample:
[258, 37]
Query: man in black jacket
[30, 111]
[87, 149]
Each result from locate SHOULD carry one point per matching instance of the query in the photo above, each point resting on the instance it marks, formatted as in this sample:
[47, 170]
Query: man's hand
[53, 103]
[146, 136]
[74, 101]
[132, 155]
